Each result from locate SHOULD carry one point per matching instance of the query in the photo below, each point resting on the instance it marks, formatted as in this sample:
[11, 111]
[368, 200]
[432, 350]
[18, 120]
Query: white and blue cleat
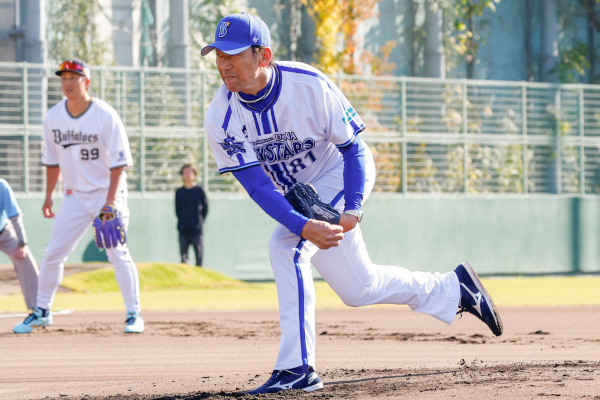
[280, 380]
[475, 299]
[39, 318]
[134, 322]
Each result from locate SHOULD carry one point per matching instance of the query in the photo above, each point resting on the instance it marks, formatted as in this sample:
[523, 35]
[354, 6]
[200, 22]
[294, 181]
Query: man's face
[239, 72]
[73, 85]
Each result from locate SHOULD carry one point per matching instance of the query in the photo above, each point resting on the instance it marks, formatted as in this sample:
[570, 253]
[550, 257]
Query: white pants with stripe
[349, 271]
[76, 213]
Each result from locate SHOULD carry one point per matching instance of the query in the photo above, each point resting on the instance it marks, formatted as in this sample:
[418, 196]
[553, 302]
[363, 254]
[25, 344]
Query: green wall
[498, 235]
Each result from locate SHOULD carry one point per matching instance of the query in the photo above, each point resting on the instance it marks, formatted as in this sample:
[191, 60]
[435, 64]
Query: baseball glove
[304, 198]
[110, 232]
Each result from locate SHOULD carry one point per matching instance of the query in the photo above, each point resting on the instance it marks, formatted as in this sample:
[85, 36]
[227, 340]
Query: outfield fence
[428, 135]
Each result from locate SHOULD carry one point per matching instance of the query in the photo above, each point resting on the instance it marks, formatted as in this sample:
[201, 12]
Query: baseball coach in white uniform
[273, 124]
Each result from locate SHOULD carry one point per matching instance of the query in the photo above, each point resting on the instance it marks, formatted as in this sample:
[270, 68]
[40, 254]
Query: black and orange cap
[74, 65]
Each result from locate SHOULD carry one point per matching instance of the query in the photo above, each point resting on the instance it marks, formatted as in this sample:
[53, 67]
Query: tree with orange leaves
[333, 17]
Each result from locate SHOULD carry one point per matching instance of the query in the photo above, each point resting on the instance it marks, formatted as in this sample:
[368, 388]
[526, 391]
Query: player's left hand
[348, 222]
[108, 228]
[20, 252]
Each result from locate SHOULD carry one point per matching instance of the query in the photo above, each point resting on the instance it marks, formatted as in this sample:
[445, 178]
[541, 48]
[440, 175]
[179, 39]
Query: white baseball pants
[75, 215]
[349, 271]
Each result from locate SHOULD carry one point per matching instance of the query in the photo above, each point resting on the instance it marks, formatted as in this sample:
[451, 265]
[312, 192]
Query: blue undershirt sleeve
[354, 174]
[263, 192]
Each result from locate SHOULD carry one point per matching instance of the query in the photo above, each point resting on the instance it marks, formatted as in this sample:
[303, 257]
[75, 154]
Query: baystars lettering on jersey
[282, 146]
[291, 141]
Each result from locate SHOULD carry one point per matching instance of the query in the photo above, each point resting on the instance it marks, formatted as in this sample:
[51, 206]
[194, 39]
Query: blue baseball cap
[237, 32]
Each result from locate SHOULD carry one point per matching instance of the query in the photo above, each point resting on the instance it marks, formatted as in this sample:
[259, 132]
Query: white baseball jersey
[85, 147]
[295, 139]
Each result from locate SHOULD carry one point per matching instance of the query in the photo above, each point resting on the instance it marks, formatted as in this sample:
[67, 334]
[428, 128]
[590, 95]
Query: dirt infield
[367, 353]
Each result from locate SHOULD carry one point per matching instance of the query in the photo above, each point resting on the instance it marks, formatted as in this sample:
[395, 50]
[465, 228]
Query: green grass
[153, 276]
[545, 291]
[167, 286]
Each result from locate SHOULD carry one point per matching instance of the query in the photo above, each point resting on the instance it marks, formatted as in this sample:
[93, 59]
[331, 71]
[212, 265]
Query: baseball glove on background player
[108, 228]
[304, 198]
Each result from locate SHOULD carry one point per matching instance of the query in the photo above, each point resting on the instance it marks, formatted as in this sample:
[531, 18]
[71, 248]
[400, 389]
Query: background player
[191, 208]
[84, 139]
[274, 124]
[13, 241]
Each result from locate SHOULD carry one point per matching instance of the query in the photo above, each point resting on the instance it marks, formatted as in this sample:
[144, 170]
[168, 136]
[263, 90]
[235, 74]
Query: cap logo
[223, 28]
[255, 39]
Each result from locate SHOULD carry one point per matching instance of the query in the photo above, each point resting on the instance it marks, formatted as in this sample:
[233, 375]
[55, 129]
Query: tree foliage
[575, 57]
[327, 15]
[204, 15]
[337, 23]
[462, 40]
[573, 63]
[74, 32]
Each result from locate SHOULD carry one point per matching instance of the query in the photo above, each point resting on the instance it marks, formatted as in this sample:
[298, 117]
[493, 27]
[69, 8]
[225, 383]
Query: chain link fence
[428, 135]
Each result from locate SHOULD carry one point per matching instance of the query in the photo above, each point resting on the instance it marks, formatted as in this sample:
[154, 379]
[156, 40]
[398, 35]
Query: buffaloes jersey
[85, 147]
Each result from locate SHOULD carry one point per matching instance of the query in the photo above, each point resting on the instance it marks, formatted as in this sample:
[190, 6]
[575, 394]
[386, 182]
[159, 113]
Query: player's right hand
[323, 234]
[47, 208]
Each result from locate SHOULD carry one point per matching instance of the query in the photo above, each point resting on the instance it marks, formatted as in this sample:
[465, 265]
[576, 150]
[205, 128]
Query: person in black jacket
[191, 207]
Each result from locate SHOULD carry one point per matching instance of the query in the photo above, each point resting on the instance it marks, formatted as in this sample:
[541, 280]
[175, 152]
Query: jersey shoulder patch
[232, 146]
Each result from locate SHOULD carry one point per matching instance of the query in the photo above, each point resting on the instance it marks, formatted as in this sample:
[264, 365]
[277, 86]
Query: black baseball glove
[108, 228]
[304, 198]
